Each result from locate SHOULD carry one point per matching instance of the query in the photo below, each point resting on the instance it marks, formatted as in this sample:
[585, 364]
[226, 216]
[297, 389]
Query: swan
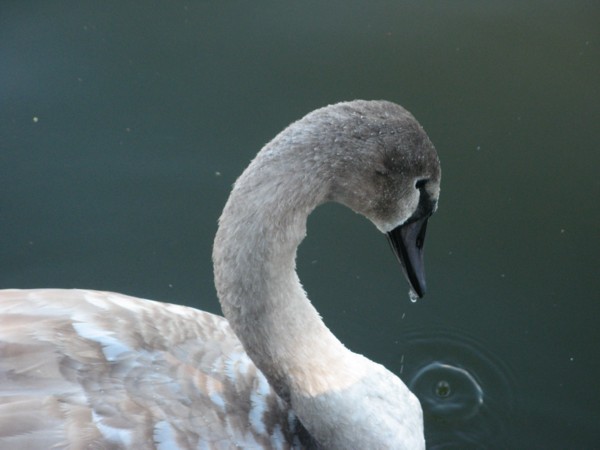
[98, 370]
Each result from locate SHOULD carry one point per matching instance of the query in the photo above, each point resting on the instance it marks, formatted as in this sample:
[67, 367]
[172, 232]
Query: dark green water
[124, 124]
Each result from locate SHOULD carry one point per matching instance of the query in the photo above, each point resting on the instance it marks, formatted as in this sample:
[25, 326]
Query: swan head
[371, 156]
[386, 168]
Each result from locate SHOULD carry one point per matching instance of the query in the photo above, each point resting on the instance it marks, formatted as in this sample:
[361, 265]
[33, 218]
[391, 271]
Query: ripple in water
[449, 393]
[467, 394]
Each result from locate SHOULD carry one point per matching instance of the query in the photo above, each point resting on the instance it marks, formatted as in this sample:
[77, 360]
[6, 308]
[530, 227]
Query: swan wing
[89, 369]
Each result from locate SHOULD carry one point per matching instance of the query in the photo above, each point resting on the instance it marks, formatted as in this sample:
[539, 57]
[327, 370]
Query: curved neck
[254, 256]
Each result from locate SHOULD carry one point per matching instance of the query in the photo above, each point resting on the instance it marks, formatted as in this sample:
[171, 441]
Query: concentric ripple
[466, 393]
[447, 392]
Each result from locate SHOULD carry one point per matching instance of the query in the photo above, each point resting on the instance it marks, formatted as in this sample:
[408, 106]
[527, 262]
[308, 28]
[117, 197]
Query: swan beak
[407, 243]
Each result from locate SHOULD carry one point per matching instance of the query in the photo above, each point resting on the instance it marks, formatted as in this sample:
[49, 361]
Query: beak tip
[420, 289]
[407, 244]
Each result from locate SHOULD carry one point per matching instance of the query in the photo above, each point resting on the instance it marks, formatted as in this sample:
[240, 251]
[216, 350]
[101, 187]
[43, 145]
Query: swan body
[89, 369]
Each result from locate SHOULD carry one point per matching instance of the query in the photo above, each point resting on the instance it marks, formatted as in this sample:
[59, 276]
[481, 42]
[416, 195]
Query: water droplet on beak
[413, 296]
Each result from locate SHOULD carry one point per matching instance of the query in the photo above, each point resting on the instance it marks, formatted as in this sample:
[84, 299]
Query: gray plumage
[87, 369]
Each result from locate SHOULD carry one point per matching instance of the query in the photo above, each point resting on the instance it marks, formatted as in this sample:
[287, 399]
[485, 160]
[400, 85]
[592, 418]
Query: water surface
[123, 126]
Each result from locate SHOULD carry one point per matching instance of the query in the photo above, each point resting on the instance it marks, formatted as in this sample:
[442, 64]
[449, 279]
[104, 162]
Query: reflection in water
[467, 394]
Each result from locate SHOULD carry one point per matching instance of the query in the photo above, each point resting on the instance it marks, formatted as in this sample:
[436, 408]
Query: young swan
[373, 157]
[88, 369]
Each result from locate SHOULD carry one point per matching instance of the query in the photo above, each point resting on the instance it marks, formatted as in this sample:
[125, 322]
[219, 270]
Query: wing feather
[89, 369]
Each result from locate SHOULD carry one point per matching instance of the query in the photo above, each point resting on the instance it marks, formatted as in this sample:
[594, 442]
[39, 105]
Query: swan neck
[260, 229]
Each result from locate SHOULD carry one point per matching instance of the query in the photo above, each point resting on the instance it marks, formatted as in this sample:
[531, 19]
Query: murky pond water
[123, 126]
